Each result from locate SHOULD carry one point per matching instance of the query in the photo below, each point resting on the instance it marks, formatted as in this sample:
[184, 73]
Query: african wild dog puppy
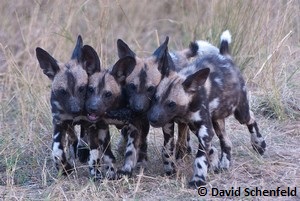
[182, 59]
[68, 90]
[107, 92]
[94, 144]
[202, 95]
[141, 85]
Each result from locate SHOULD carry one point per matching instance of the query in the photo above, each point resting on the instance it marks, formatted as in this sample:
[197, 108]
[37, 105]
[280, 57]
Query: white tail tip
[226, 36]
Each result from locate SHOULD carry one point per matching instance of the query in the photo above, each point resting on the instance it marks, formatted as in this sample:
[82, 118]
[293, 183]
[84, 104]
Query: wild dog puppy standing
[68, 90]
[107, 92]
[141, 83]
[202, 96]
[95, 143]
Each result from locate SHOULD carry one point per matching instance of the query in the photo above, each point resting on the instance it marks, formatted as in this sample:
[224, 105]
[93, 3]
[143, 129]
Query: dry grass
[266, 46]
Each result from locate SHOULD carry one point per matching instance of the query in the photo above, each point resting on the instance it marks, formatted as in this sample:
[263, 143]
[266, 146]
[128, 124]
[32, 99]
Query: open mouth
[93, 117]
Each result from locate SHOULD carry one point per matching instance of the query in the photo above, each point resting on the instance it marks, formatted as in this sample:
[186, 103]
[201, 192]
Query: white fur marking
[224, 163]
[173, 56]
[252, 118]
[226, 36]
[56, 135]
[56, 151]
[94, 155]
[203, 132]
[203, 171]
[130, 161]
[196, 116]
[102, 134]
[218, 81]
[205, 48]
[56, 103]
[214, 104]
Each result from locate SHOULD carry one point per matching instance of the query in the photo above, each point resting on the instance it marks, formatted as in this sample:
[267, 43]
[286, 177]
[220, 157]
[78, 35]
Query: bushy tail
[225, 40]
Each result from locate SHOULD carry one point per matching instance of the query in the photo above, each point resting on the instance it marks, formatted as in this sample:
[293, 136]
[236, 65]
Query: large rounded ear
[163, 58]
[123, 68]
[124, 50]
[90, 60]
[194, 81]
[47, 63]
[77, 53]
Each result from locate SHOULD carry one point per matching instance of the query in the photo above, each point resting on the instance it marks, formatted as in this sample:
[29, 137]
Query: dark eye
[107, 94]
[81, 89]
[63, 92]
[132, 86]
[91, 90]
[150, 89]
[154, 99]
[171, 105]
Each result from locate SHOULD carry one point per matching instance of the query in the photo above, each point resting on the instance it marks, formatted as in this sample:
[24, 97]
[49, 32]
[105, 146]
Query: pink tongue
[92, 117]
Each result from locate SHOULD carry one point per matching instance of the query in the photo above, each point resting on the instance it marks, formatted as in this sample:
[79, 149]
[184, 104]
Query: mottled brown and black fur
[68, 93]
[108, 91]
[202, 95]
[142, 82]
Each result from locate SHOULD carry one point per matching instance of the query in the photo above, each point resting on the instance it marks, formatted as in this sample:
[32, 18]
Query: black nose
[74, 105]
[75, 111]
[92, 108]
[153, 121]
[138, 108]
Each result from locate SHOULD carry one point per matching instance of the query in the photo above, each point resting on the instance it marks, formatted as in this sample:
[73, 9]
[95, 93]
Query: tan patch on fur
[60, 80]
[95, 78]
[110, 84]
[177, 93]
[153, 74]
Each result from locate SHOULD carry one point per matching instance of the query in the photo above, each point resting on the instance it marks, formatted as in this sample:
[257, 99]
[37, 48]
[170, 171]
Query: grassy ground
[266, 46]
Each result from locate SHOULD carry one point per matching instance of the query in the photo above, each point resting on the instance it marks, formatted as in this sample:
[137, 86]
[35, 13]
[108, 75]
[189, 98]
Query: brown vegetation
[266, 46]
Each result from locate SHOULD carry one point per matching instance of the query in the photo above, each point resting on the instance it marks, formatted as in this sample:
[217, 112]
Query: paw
[141, 164]
[121, 173]
[66, 170]
[260, 147]
[96, 176]
[110, 173]
[225, 162]
[170, 172]
[220, 169]
[196, 184]
[169, 168]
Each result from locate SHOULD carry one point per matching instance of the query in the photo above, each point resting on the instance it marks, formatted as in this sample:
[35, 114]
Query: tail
[225, 41]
